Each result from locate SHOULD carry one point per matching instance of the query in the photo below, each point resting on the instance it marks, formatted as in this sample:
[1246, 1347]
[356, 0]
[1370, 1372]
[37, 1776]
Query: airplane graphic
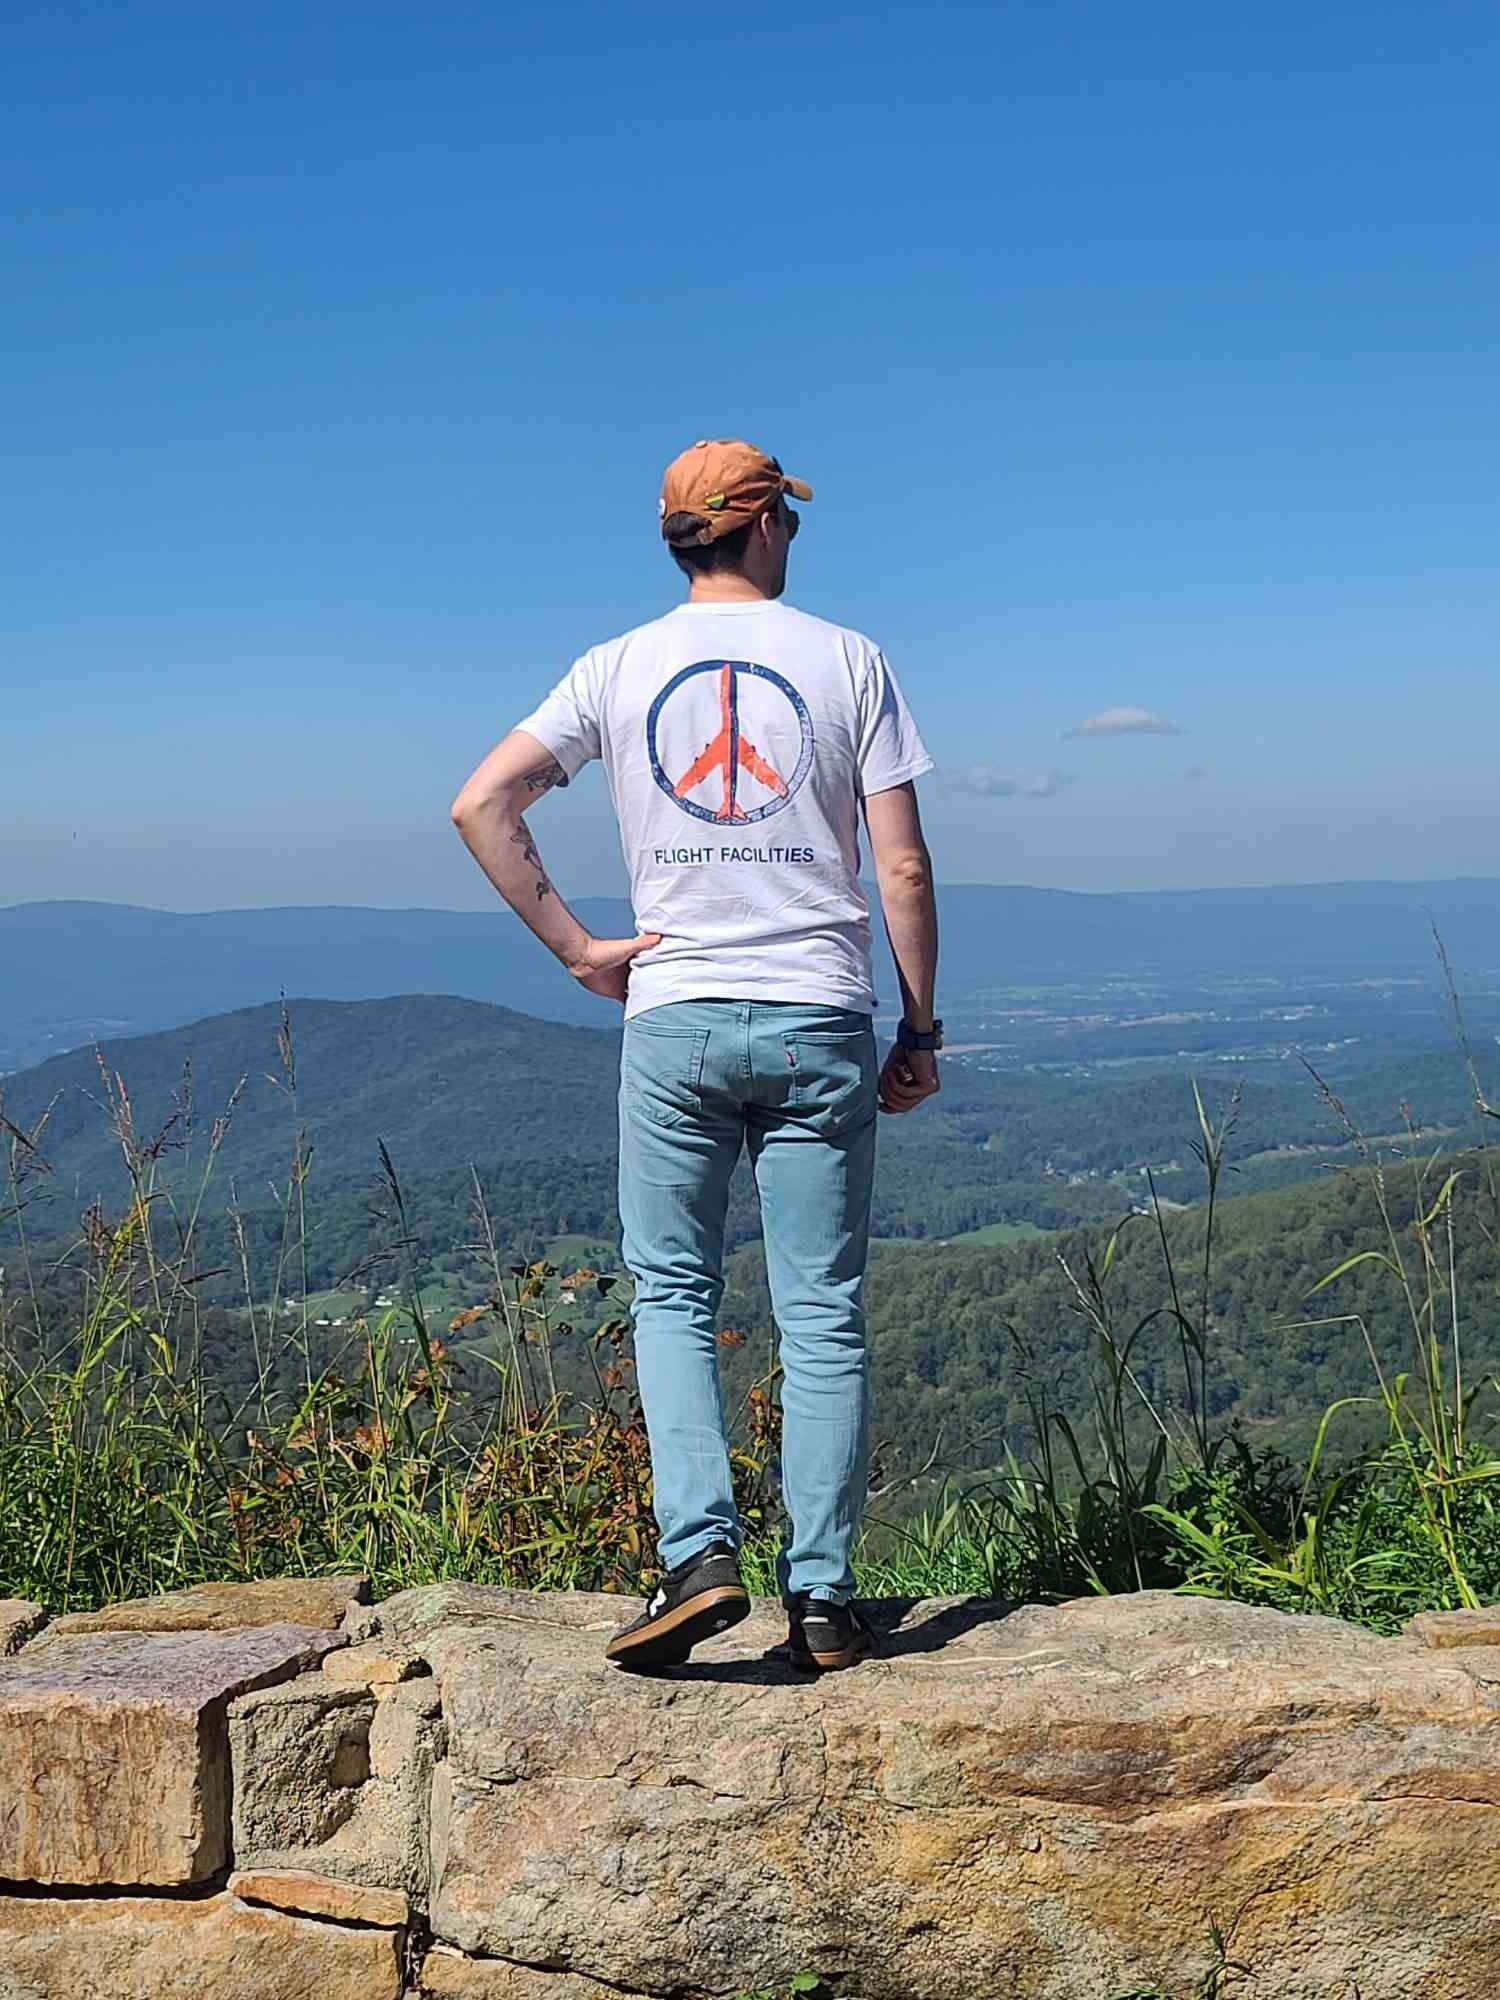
[729, 753]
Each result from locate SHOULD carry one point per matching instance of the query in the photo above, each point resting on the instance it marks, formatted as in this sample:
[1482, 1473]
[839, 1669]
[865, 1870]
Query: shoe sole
[669, 1640]
[831, 1663]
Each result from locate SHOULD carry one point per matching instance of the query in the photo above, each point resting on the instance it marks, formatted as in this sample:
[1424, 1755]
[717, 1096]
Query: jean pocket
[661, 1070]
[835, 1076]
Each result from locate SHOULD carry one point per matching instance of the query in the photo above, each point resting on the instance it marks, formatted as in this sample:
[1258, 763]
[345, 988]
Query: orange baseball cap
[724, 482]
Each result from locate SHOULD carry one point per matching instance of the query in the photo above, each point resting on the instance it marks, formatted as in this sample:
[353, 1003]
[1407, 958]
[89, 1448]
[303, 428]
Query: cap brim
[798, 488]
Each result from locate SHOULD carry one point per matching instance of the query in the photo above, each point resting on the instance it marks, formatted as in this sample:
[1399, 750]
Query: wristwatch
[913, 1038]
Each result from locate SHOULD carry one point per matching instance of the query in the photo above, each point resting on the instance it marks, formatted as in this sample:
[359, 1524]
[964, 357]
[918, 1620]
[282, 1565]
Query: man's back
[741, 739]
[738, 740]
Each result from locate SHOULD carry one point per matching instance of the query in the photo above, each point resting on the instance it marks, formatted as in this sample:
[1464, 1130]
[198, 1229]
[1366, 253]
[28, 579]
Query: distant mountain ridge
[79, 970]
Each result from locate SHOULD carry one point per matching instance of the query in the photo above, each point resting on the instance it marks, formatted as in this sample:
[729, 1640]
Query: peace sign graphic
[729, 755]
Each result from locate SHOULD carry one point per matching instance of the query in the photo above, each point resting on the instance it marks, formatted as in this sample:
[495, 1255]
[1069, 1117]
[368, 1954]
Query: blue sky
[1143, 359]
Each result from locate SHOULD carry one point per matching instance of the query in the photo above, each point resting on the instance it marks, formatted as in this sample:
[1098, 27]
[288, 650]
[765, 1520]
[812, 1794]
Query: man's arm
[490, 816]
[903, 873]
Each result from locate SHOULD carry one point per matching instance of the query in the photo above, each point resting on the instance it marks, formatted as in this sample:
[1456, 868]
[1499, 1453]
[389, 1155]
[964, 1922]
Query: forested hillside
[441, 1081]
[445, 1082]
[965, 1341]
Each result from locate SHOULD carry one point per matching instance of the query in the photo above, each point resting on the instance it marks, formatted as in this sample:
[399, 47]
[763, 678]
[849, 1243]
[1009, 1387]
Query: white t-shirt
[738, 740]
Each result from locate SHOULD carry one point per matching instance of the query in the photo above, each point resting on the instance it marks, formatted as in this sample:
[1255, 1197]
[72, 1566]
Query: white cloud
[985, 781]
[1126, 722]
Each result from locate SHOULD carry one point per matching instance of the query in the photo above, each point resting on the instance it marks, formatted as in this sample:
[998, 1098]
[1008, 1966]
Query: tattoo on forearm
[522, 838]
[546, 778]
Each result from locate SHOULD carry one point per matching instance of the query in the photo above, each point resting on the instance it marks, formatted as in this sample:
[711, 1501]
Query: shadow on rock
[888, 1619]
[942, 1627]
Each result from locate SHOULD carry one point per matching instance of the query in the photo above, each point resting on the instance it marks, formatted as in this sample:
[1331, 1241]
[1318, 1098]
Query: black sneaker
[823, 1637]
[701, 1597]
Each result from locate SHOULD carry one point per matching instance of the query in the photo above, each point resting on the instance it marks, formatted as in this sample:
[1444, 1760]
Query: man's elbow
[908, 872]
[474, 803]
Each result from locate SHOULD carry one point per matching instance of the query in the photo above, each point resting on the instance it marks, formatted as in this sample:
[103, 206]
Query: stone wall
[279, 1792]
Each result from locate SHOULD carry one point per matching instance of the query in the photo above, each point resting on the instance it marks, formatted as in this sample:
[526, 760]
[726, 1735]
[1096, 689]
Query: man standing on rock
[741, 740]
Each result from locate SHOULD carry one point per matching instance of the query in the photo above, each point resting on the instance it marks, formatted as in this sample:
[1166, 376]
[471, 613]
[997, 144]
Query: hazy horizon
[485, 904]
[1203, 837]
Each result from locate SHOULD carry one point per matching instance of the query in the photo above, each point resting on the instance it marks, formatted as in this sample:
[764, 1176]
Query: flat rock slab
[114, 1751]
[371, 1667]
[1049, 1805]
[210, 1948]
[308, 1895]
[319, 1601]
[403, 1621]
[1443, 1630]
[20, 1620]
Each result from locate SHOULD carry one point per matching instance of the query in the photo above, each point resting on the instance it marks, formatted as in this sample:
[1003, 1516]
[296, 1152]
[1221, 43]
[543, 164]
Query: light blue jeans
[796, 1085]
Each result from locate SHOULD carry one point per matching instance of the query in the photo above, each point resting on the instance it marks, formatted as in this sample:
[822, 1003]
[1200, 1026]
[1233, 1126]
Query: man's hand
[903, 869]
[603, 966]
[909, 1078]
